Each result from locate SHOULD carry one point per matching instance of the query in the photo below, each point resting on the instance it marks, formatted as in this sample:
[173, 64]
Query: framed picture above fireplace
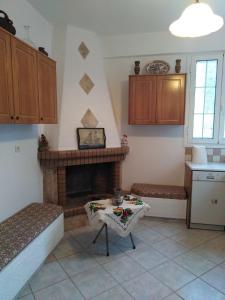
[91, 138]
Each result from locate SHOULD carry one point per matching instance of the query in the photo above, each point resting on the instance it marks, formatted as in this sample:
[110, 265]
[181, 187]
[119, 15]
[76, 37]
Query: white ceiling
[109, 17]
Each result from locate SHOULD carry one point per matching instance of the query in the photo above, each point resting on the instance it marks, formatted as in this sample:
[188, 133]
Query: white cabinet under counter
[205, 186]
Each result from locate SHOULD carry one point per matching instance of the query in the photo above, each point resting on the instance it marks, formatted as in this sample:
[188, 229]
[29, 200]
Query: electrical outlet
[17, 148]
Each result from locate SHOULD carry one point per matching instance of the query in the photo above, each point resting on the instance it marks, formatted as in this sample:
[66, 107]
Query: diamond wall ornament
[86, 83]
[83, 49]
[89, 120]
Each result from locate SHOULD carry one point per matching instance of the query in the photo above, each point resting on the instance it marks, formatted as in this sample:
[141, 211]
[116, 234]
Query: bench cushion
[158, 191]
[20, 229]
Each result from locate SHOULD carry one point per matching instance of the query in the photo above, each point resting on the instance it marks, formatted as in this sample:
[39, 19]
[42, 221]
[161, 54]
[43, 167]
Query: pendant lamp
[196, 20]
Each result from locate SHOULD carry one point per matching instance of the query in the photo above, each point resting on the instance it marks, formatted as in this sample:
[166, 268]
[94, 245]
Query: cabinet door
[6, 94]
[47, 90]
[208, 203]
[142, 100]
[170, 99]
[24, 60]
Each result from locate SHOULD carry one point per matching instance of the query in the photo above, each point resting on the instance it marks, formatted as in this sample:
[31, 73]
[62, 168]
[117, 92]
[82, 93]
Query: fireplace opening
[87, 183]
[71, 178]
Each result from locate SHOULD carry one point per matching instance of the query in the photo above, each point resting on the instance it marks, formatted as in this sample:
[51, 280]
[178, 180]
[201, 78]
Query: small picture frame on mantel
[91, 138]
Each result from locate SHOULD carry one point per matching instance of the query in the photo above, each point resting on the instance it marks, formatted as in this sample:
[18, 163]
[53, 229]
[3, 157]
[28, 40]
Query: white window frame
[191, 103]
[222, 107]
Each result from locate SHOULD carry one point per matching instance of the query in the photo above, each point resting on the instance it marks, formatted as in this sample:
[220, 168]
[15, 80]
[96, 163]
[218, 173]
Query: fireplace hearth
[72, 178]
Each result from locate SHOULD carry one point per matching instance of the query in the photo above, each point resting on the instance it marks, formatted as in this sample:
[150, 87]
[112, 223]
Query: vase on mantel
[137, 67]
[178, 66]
[27, 38]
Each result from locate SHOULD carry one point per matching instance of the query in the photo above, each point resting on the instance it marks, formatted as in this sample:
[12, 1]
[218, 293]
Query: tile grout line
[168, 258]
[97, 294]
[99, 265]
[174, 291]
[119, 283]
[212, 286]
[189, 250]
[74, 284]
[145, 271]
[199, 277]
[46, 287]
[123, 252]
[70, 277]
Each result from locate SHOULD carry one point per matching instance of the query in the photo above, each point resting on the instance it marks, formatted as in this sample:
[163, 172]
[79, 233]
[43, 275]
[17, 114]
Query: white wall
[159, 43]
[22, 13]
[58, 53]
[156, 152]
[75, 101]
[20, 174]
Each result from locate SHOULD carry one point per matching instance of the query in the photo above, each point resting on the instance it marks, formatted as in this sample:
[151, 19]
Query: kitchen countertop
[210, 166]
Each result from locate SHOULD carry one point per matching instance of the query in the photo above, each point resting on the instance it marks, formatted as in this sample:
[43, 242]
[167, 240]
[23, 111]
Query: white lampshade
[197, 20]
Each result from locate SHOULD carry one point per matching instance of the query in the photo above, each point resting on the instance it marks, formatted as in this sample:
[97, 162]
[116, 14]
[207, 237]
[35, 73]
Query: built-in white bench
[26, 239]
[166, 201]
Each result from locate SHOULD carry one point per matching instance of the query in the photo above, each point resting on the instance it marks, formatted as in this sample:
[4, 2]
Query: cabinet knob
[42, 119]
[12, 118]
[17, 118]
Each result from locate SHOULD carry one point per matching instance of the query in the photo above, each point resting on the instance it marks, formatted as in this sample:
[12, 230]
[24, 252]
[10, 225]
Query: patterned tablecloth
[122, 219]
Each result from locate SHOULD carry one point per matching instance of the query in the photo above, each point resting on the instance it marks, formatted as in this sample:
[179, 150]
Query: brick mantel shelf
[54, 165]
[54, 158]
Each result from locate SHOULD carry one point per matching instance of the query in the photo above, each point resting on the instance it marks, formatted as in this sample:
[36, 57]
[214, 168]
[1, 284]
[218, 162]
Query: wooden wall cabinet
[157, 99]
[27, 83]
[47, 90]
[6, 92]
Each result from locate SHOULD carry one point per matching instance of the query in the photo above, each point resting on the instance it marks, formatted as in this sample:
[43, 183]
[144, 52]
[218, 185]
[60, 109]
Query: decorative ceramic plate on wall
[157, 67]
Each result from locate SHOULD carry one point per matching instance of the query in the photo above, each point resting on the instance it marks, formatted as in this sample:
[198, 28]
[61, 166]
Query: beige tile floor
[170, 262]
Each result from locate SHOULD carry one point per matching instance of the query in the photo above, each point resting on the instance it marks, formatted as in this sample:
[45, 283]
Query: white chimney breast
[75, 102]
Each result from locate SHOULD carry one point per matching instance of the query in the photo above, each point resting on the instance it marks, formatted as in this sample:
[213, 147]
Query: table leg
[132, 241]
[107, 240]
[94, 241]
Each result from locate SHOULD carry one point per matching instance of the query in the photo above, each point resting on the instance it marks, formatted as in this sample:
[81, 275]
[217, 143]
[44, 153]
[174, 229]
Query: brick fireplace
[71, 178]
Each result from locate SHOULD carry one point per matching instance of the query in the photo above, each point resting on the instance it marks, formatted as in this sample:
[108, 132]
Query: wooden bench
[26, 239]
[165, 200]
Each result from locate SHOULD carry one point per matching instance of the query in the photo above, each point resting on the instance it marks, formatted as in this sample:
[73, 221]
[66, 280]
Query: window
[205, 116]
[205, 99]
